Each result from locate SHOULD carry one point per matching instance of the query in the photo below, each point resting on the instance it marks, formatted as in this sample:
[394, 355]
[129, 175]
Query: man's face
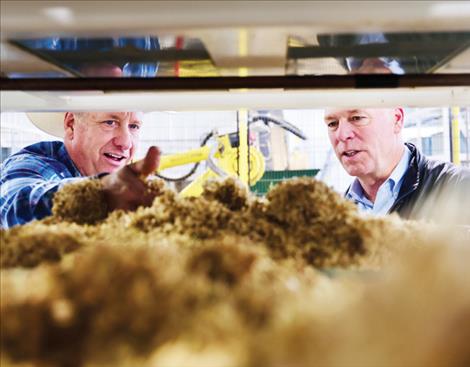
[101, 141]
[365, 141]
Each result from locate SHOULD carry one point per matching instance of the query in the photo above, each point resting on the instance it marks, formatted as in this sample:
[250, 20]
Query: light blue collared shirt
[388, 191]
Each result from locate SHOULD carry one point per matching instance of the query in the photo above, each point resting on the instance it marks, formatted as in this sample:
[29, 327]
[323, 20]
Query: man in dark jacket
[393, 176]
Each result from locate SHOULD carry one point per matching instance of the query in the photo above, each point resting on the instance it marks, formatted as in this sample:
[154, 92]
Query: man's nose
[123, 138]
[345, 131]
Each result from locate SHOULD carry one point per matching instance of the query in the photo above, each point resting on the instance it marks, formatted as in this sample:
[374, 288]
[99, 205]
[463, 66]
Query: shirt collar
[356, 192]
[399, 172]
[67, 160]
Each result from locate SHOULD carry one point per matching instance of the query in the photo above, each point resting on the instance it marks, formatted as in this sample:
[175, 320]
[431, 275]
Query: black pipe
[358, 81]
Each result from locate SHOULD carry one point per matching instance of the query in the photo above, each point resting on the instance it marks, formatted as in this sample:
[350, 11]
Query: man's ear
[69, 125]
[399, 119]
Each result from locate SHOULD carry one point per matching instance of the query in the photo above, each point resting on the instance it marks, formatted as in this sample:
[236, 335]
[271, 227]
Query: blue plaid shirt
[29, 179]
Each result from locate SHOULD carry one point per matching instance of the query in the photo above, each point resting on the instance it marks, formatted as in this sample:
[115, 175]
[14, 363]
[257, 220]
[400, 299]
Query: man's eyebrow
[136, 119]
[111, 115]
[330, 116]
[115, 117]
[334, 115]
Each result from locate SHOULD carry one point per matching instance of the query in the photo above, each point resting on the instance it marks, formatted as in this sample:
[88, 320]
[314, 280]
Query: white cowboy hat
[51, 123]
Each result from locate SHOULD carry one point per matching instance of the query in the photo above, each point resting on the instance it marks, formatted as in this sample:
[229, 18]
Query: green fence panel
[271, 178]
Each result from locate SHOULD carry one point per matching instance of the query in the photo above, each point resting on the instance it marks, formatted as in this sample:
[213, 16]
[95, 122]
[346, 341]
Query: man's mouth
[115, 157]
[350, 153]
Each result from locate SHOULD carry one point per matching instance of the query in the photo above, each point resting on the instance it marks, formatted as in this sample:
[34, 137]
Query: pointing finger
[149, 164]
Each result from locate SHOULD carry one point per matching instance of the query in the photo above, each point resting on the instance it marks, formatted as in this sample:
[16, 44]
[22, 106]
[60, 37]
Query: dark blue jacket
[434, 190]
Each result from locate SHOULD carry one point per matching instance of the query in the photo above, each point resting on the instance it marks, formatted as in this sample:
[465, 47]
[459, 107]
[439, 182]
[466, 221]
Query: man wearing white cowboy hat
[96, 144]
